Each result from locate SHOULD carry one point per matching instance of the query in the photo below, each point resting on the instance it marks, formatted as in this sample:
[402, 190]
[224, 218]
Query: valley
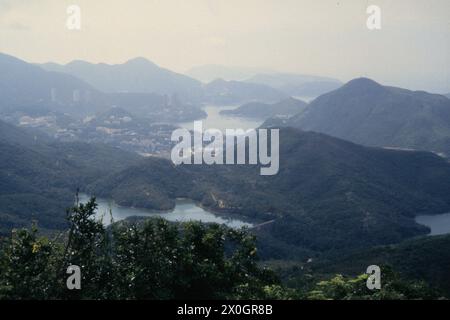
[363, 174]
[217, 118]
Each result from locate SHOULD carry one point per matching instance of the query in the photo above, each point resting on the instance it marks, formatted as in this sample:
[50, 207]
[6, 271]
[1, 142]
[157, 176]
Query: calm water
[218, 121]
[439, 223]
[185, 210]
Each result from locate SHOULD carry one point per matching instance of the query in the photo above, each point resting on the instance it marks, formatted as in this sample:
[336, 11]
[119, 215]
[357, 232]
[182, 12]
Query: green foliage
[365, 112]
[153, 259]
[426, 258]
[38, 178]
[156, 259]
[392, 288]
[328, 196]
[27, 264]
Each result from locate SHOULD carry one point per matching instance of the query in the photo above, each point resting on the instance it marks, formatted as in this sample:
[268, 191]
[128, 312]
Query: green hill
[328, 195]
[365, 112]
[38, 179]
[425, 258]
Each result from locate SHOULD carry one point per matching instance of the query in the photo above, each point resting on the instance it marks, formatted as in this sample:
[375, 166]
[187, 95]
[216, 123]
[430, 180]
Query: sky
[319, 37]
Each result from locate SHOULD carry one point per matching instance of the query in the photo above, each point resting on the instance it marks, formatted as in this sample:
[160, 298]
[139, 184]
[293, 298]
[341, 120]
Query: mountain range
[365, 112]
[137, 75]
[140, 75]
[221, 92]
[291, 84]
[24, 84]
[28, 88]
[297, 84]
[329, 195]
[210, 72]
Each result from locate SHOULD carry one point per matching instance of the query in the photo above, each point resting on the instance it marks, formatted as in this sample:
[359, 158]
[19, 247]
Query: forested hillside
[328, 195]
[39, 178]
[368, 113]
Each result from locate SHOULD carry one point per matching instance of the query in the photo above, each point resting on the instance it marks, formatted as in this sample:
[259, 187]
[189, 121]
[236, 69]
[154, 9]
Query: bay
[216, 120]
[438, 223]
[185, 210]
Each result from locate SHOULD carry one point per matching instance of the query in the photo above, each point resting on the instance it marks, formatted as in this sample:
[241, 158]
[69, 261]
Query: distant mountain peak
[365, 112]
[140, 61]
[137, 75]
[362, 83]
[78, 61]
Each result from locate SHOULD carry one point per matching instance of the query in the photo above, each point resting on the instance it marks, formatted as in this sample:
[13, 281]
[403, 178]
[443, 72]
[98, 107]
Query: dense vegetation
[355, 288]
[151, 260]
[365, 112]
[330, 204]
[38, 177]
[329, 195]
[155, 259]
[426, 258]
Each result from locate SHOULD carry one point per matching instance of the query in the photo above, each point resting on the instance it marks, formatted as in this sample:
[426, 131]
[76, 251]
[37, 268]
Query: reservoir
[438, 223]
[215, 120]
[185, 210]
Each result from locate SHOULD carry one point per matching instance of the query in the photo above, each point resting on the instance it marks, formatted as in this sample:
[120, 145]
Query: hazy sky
[319, 37]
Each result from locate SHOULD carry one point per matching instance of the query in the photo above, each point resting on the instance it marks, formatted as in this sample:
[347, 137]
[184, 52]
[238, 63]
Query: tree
[393, 288]
[151, 259]
[157, 259]
[27, 266]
